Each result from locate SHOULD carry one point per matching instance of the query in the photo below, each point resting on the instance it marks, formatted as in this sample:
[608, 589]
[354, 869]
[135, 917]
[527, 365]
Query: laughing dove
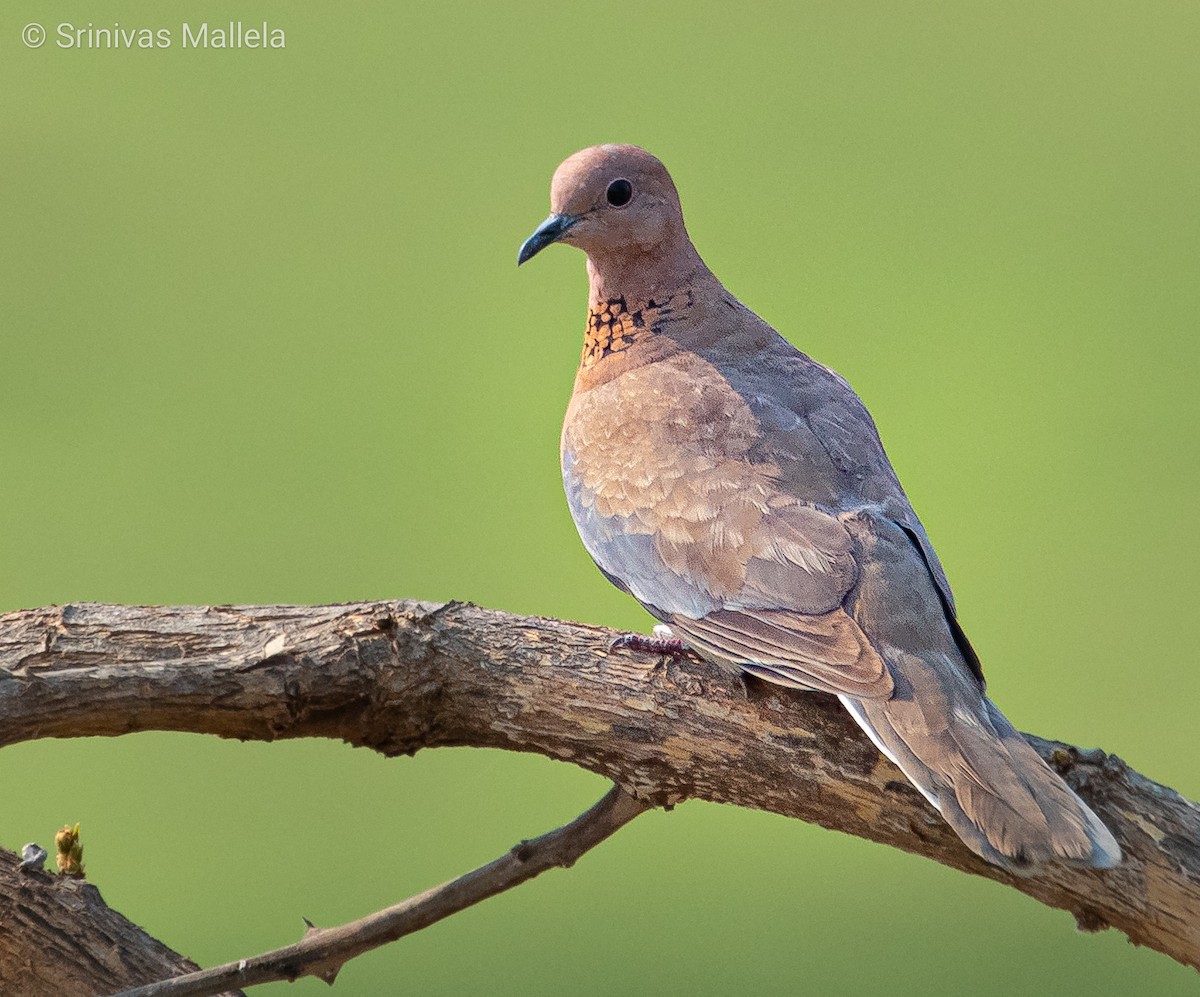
[739, 491]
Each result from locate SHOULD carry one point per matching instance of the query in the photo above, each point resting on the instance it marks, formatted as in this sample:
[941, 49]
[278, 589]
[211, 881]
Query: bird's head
[613, 202]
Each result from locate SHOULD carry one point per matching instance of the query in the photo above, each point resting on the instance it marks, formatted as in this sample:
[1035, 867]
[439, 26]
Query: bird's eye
[619, 192]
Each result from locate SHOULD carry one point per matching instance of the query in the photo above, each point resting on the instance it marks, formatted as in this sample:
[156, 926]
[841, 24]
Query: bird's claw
[668, 647]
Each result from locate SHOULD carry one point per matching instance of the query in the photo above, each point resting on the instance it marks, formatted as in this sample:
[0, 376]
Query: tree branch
[57, 936]
[323, 951]
[401, 676]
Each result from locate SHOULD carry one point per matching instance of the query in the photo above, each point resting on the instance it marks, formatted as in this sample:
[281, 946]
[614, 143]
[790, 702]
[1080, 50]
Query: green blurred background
[263, 341]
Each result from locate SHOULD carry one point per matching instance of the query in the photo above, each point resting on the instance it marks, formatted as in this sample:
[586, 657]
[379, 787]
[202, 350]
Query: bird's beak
[551, 230]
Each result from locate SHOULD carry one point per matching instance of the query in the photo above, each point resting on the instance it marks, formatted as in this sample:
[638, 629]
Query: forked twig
[323, 951]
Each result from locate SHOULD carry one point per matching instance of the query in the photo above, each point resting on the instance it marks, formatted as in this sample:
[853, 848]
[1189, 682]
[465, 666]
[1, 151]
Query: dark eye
[619, 192]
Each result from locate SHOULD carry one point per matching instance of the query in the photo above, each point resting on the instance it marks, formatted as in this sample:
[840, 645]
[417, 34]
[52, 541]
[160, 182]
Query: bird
[739, 491]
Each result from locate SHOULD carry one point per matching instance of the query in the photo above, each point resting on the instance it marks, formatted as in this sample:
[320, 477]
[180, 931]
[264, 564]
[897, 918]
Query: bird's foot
[662, 642]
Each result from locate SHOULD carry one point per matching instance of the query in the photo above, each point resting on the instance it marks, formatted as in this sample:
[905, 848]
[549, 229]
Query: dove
[739, 491]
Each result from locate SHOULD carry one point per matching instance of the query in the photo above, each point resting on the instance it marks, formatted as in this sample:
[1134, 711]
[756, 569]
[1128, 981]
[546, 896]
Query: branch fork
[401, 676]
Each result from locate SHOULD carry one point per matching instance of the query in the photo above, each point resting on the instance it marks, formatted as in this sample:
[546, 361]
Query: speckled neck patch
[612, 326]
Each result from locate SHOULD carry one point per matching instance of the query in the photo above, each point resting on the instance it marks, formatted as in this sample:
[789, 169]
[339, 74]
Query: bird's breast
[669, 441]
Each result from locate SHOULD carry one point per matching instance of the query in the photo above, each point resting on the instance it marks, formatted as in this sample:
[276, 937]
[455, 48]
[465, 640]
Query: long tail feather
[989, 784]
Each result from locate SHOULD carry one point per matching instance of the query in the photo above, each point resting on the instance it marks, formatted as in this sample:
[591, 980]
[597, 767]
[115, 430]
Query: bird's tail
[964, 756]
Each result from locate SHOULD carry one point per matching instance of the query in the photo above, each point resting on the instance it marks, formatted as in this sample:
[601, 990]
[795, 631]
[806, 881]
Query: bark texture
[58, 937]
[401, 676]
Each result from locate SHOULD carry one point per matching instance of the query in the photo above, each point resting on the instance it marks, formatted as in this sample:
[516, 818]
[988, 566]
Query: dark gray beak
[551, 230]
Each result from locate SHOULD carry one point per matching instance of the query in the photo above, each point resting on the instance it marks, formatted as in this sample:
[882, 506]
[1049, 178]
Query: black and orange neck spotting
[612, 326]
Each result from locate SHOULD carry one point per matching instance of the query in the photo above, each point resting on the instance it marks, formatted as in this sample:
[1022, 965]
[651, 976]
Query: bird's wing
[806, 409]
[829, 652]
[766, 594]
[705, 539]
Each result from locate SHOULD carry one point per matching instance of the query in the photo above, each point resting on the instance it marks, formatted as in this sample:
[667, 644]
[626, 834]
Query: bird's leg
[661, 641]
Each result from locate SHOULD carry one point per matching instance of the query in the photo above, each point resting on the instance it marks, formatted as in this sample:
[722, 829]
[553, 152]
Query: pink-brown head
[615, 202]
